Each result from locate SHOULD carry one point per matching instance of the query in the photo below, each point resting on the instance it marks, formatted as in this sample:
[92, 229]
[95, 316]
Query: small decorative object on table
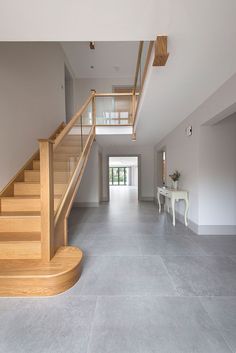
[175, 178]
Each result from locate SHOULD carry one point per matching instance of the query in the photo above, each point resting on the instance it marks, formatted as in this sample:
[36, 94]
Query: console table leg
[159, 202]
[173, 210]
[186, 212]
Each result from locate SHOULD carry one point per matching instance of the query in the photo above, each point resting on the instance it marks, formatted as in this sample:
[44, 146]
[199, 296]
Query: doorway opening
[161, 168]
[123, 179]
[69, 95]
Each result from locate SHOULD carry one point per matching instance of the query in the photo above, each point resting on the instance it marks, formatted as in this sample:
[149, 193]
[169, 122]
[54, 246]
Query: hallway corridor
[146, 287]
[121, 196]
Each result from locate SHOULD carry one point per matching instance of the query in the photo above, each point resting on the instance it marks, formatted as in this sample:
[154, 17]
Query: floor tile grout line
[215, 323]
[26, 299]
[178, 295]
[170, 277]
[92, 325]
[140, 295]
[160, 255]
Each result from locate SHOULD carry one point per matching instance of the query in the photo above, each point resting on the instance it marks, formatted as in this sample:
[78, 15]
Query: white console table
[174, 195]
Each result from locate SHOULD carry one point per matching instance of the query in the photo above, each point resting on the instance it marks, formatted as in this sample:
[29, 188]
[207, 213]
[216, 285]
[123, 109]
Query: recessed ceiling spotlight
[91, 67]
[92, 45]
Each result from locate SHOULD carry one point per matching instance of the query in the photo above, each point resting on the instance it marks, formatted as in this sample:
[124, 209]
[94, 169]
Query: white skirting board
[208, 229]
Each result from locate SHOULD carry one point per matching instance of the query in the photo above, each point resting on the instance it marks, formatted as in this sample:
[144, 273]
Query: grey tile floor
[146, 287]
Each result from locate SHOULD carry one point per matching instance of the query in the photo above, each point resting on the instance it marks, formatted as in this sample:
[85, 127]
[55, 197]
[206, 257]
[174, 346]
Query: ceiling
[108, 59]
[202, 49]
[201, 44]
[80, 20]
[123, 161]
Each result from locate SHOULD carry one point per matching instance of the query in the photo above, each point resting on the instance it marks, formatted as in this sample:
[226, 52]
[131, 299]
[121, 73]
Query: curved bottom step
[28, 278]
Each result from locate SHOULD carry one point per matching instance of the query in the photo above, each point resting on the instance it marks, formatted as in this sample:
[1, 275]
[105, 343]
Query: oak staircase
[35, 258]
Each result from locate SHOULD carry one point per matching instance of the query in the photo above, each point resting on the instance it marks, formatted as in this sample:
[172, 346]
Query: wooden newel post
[133, 107]
[47, 199]
[93, 107]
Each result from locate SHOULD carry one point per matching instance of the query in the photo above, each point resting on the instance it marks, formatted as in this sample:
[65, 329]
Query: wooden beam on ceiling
[161, 54]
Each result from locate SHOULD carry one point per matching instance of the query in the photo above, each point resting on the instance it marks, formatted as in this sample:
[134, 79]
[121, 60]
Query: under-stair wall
[32, 100]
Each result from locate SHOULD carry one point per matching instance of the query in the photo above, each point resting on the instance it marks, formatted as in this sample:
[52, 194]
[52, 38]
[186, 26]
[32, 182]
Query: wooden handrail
[143, 80]
[72, 122]
[113, 94]
[140, 50]
[147, 63]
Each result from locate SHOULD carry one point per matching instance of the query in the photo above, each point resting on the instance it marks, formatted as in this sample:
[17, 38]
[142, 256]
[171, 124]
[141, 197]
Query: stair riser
[20, 224]
[20, 250]
[36, 165]
[57, 165]
[69, 149]
[66, 157]
[34, 175]
[24, 189]
[30, 175]
[75, 137]
[42, 279]
[23, 205]
[74, 142]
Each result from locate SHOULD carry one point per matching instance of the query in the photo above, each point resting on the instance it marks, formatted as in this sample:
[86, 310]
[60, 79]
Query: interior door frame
[159, 167]
[139, 172]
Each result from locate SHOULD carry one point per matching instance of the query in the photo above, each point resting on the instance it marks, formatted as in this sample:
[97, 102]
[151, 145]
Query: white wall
[198, 158]
[69, 94]
[134, 175]
[217, 173]
[182, 154]
[89, 192]
[84, 85]
[32, 100]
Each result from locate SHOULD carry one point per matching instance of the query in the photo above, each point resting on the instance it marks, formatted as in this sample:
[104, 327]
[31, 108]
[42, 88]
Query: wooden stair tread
[25, 197]
[18, 236]
[24, 203]
[34, 278]
[36, 171]
[60, 176]
[35, 183]
[27, 182]
[66, 257]
[20, 214]
[66, 155]
[30, 189]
